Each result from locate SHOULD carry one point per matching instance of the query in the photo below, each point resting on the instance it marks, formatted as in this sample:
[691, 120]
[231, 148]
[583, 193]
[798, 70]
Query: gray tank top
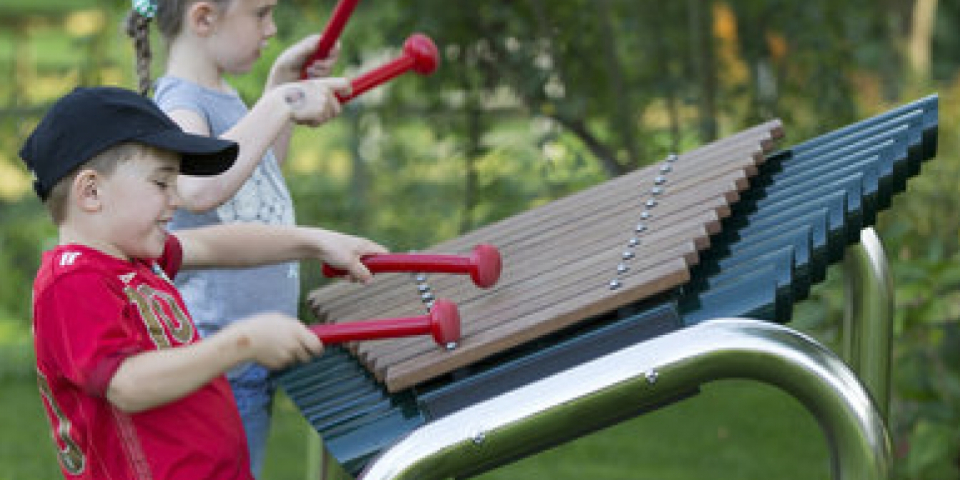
[217, 297]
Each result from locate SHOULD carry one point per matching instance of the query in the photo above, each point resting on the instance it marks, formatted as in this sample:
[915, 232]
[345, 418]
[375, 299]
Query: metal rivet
[634, 242]
[451, 346]
[640, 227]
[479, 437]
[656, 191]
[614, 284]
[660, 180]
[665, 168]
[651, 203]
[627, 255]
[645, 215]
[423, 288]
[622, 268]
[651, 376]
[427, 297]
[421, 278]
[672, 157]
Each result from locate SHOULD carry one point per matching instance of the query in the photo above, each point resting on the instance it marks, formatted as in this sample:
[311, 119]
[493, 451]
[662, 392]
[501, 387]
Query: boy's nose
[173, 198]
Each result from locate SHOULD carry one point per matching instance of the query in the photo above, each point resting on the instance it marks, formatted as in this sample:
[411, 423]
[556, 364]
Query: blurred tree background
[535, 99]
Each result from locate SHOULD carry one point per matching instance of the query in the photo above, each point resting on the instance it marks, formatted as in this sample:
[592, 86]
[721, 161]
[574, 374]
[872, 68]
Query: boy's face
[138, 201]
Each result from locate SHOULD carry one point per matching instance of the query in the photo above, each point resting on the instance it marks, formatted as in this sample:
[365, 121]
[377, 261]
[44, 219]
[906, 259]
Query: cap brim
[200, 155]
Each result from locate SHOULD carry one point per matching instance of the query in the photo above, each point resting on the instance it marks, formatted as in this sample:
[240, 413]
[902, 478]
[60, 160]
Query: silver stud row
[424, 290]
[646, 214]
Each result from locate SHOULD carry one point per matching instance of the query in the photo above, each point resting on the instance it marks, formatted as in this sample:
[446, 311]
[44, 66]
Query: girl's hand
[288, 65]
[313, 102]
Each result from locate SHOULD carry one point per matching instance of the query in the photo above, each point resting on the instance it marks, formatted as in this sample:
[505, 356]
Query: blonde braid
[138, 28]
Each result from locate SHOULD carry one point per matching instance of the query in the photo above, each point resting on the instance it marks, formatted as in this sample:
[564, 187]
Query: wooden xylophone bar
[535, 296]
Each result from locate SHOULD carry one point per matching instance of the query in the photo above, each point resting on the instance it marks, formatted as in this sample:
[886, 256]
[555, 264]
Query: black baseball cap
[89, 120]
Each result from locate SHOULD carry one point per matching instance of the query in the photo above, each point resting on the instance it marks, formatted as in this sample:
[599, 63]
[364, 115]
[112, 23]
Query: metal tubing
[868, 316]
[614, 387]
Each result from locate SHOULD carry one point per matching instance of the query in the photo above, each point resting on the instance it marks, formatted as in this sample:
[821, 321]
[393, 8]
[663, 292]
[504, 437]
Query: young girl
[206, 40]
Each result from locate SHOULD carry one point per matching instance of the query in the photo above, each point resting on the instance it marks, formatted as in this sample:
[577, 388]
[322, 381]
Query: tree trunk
[623, 120]
[701, 33]
[920, 37]
[359, 177]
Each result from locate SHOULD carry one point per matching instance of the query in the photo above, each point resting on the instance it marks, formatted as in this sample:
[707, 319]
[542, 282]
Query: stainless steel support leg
[868, 316]
[613, 387]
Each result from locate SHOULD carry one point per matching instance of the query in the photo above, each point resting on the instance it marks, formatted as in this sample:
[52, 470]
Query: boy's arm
[157, 377]
[252, 244]
[310, 103]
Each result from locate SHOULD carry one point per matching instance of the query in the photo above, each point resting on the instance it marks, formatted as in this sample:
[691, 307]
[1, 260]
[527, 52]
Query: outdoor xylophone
[612, 302]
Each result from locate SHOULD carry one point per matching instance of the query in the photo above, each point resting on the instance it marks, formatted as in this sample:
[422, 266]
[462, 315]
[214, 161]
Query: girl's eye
[162, 185]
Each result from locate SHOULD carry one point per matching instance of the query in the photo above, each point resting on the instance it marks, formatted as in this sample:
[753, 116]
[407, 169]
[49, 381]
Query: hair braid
[138, 28]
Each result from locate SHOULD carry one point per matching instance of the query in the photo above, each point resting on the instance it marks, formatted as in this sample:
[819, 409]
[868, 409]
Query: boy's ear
[201, 17]
[86, 192]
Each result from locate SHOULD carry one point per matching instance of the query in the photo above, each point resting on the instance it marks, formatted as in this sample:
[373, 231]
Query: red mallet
[483, 264]
[419, 54]
[330, 33]
[443, 323]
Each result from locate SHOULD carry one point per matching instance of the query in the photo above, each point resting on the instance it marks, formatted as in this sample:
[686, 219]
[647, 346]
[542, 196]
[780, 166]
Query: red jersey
[90, 312]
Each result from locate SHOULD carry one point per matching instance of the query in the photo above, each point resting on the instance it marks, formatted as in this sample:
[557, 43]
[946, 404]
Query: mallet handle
[483, 264]
[330, 33]
[419, 54]
[443, 323]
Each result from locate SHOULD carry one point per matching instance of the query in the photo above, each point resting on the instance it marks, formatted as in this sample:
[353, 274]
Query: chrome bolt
[622, 268]
[640, 227]
[614, 284]
[633, 242]
[479, 438]
[656, 191]
[651, 203]
[672, 157]
[645, 215]
[421, 278]
[627, 255]
[451, 346]
[665, 168]
[423, 288]
[651, 376]
[659, 180]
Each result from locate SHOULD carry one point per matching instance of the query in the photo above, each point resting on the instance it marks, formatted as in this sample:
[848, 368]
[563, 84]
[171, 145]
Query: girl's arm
[287, 69]
[253, 244]
[310, 102]
[157, 377]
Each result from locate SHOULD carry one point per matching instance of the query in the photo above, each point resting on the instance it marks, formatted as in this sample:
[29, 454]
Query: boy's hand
[274, 340]
[344, 251]
[313, 102]
[289, 64]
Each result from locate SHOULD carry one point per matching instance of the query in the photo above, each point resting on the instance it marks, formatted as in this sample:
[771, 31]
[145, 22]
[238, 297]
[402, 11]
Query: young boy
[129, 388]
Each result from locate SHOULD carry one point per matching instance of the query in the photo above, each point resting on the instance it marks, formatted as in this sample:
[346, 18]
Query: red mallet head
[445, 323]
[485, 265]
[423, 51]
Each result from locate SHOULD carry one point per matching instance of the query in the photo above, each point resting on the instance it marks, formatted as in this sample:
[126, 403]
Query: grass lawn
[732, 430]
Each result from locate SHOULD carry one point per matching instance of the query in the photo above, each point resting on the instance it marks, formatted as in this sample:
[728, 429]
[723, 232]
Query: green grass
[732, 430]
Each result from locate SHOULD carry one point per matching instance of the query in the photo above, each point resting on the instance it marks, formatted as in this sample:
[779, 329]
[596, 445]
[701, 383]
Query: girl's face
[240, 31]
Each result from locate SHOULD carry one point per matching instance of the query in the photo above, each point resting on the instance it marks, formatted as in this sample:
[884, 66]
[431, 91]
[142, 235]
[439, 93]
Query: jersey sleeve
[83, 327]
[172, 258]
